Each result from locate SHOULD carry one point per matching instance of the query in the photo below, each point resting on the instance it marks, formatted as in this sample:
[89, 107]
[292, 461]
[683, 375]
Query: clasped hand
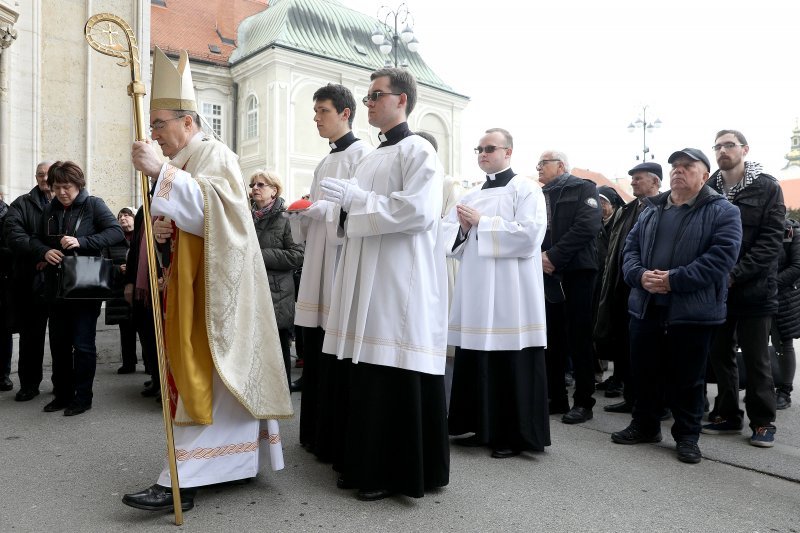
[656, 281]
[467, 217]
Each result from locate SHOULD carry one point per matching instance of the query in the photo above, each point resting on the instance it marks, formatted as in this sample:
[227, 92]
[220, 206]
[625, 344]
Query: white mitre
[172, 87]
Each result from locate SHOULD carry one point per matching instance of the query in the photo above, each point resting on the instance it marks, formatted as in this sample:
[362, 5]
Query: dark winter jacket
[21, 224]
[117, 309]
[754, 289]
[282, 256]
[6, 311]
[575, 220]
[98, 228]
[788, 317]
[704, 250]
[613, 300]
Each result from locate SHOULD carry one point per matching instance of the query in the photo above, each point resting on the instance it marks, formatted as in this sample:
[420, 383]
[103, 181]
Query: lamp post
[390, 43]
[646, 126]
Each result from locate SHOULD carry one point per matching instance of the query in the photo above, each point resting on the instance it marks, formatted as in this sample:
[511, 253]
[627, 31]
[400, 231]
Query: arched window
[251, 131]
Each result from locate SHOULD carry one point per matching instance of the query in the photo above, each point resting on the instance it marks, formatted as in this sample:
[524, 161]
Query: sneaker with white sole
[763, 437]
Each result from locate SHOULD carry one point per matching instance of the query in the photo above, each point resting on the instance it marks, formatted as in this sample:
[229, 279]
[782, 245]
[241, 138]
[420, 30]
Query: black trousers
[142, 318]
[73, 329]
[285, 336]
[669, 361]
[31, 343]
[569, 334]
[751, 334]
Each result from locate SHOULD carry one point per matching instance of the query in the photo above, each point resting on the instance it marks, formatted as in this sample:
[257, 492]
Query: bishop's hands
[467, 217]
[145, 159]
[342, 192]
[162, 230]
[656, 281]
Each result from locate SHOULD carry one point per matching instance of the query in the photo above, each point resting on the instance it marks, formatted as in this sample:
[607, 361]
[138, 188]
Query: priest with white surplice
[227, 382]
[324, 376]
[497, 317]
[389, 304]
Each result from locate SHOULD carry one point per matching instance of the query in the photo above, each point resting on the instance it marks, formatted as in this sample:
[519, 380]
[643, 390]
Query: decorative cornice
[7, 19]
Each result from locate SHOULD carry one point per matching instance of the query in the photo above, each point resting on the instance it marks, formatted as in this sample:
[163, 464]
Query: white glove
[318, 209]
[342, 192]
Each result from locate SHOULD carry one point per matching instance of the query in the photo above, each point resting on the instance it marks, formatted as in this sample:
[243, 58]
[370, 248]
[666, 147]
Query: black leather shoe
[504, 453]
[688, 452]
[55, 405]
[158, 498]
[342, 483]
[76, 409]
[6, 384]
[148, 384]
[126, 369]
[372, 495]
[151, 391]
[633, 435]
[24, 395]
[577, 415]
[297, 385]
[469, 442]
[621, 407]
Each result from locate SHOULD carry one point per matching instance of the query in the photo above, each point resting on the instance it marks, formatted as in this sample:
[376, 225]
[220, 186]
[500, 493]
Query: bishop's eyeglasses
[489, 149]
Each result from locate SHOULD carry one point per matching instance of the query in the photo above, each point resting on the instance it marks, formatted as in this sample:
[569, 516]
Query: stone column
[7, 36]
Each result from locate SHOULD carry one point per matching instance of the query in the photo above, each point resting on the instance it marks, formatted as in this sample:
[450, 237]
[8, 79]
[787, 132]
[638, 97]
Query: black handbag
[85, 277]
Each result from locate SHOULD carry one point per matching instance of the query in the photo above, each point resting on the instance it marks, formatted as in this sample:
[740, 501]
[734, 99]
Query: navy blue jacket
[705, 248]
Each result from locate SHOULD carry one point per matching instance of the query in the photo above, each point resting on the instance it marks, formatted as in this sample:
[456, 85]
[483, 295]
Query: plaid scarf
[751, 172]
[258, 214]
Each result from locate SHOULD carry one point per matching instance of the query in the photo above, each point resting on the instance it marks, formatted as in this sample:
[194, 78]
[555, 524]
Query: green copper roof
[327, 29]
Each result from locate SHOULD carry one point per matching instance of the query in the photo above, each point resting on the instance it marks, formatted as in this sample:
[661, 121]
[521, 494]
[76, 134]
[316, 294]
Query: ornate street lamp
[646, 126]
[390, 43]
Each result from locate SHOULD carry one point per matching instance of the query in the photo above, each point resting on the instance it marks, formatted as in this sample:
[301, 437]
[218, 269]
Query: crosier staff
[105, 33]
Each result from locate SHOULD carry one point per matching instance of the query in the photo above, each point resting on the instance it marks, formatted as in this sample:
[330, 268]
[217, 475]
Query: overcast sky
[572, 74]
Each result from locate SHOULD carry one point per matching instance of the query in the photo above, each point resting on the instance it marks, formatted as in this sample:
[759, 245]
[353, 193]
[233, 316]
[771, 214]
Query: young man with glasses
[752, 293]
[389, 304]
[324, 376]
[499, 331]
[569, 260]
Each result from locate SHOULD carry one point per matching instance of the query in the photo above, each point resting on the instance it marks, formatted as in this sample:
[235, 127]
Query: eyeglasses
[259, 185]
[489, 149]
[727, 146]
[543, 162]
[159, 124]
[373, 96]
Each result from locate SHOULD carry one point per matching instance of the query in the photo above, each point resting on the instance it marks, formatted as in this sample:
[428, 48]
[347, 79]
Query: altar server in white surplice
[389, 304]
[497, 318]
[324, 376]
[227, 382]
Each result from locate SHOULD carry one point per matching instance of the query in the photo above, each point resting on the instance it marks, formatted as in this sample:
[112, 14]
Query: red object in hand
[299, 205]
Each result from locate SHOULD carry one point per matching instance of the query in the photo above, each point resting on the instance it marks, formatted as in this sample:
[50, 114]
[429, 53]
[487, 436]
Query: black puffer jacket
[282, 256]
[754, 291]
[788, 317]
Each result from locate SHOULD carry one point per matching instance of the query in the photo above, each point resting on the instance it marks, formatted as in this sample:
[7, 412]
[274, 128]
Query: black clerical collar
[341, 144]
[499, 179]
[394, 135]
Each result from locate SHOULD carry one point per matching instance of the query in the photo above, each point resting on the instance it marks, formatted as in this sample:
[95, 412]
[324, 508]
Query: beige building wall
[70, 102]
[283, 83]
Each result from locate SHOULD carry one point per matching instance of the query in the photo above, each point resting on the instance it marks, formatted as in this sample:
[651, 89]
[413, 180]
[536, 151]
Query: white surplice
[389, 302]
[321, 239]
[498, 302]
